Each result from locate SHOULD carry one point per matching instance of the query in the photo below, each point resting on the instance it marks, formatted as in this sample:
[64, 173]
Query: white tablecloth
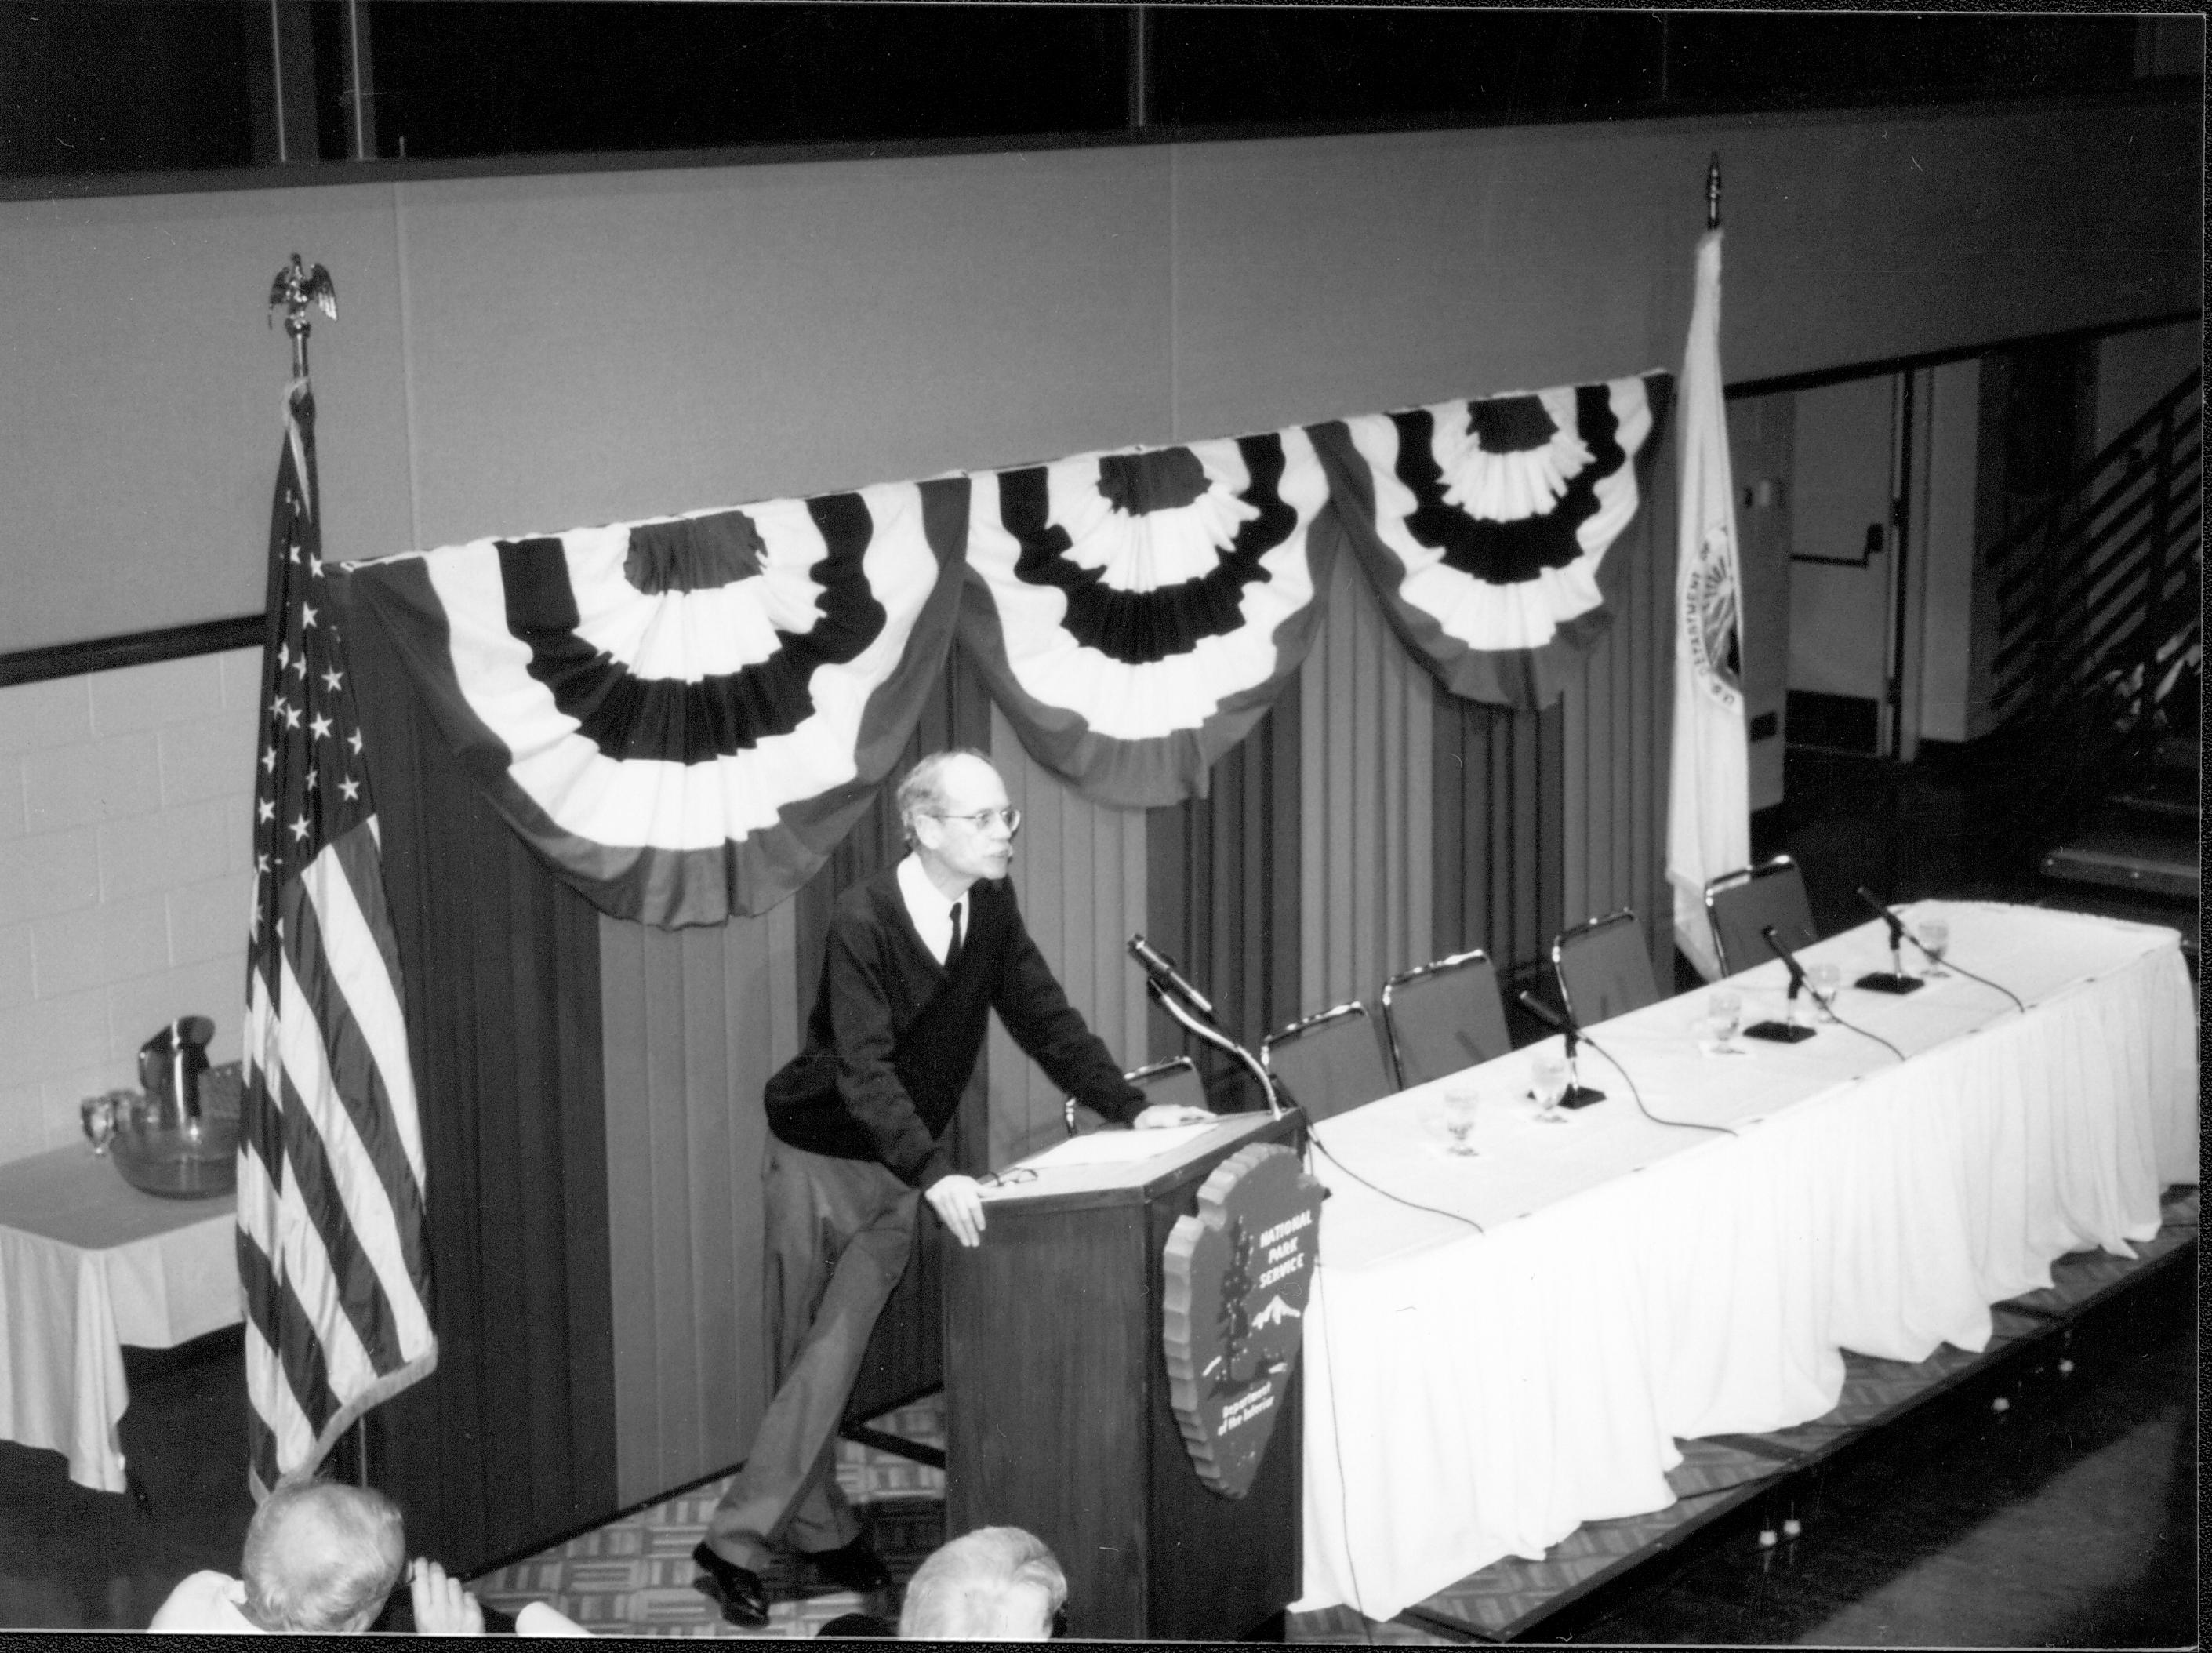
[87, 1264]
[1473, 1395]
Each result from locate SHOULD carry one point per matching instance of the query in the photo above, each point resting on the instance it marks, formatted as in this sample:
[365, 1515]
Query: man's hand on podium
[1162, 1114]
[959, 1201]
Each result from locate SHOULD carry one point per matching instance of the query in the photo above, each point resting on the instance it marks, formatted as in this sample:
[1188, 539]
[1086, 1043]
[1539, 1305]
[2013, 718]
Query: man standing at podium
[917, 957]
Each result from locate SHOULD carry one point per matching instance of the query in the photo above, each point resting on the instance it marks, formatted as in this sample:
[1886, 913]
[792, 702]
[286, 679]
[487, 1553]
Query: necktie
[952, 952]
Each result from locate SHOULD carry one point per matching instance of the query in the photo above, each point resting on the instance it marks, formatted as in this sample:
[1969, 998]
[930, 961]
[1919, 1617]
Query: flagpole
[298, 287]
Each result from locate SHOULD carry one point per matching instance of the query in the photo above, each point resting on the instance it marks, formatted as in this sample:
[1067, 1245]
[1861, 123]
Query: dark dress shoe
[737, 1590]
[853, 1567]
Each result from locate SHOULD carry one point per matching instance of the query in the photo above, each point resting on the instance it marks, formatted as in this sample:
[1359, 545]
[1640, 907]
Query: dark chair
[1171, 1081]
[1604, 968]
[1329, 1064]
[1740, 905]
[1443, 1017]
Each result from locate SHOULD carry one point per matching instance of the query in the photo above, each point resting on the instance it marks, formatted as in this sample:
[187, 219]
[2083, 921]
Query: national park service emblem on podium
[1237, 1274]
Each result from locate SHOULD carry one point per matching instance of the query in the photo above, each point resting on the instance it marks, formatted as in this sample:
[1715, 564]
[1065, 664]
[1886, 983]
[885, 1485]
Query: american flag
[331, 1249]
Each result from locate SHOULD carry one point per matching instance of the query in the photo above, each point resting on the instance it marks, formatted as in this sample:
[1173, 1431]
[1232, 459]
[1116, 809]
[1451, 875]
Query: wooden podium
[1057, 1412]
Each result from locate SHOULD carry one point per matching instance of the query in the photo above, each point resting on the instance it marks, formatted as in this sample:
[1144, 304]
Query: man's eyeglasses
[981, 819]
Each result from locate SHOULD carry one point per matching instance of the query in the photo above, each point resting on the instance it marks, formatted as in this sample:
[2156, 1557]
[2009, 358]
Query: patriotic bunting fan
[684, 716]
[1133, 614]
[1483, 526]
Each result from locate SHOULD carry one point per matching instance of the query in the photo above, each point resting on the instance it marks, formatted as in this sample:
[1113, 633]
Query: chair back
[1742, 904]
[1175, 1080]
[1329, 1064]
[1604, 968]
[1442, 1017]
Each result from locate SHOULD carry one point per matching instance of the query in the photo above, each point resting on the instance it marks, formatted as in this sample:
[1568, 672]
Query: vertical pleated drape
[1222, 898]
[511, 1442]
[1079, 873]
[1499, 796]
[696, 1020]
[1616, 722]
[1365, 863]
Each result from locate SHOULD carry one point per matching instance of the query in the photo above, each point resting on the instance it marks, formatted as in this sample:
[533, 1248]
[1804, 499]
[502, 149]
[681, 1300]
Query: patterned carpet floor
[635, 1575]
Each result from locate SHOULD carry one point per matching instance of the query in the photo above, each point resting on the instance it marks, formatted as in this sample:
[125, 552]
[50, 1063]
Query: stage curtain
[511, 1442]
[1222, 900]
[1365, 861]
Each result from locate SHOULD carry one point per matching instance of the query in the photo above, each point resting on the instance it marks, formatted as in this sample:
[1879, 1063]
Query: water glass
[98, 1114]
[1826, 981]
[1935, 939]
[1724, 1015]
[1460, 1105]
[1547, 1083]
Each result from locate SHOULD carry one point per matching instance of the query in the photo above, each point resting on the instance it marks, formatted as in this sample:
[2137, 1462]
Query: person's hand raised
[442, 1607]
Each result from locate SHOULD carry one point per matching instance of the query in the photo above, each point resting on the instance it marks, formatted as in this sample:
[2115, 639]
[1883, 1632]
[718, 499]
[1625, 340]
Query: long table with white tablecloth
[1475, 1393]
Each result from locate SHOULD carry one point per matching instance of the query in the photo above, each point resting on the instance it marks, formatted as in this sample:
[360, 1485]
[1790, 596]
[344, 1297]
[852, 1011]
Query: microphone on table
[1578, 1094]
[1894, 980]
[1164, 973]
[1791, 1031]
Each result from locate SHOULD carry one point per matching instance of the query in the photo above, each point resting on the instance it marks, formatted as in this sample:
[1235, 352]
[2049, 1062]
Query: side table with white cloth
[1472, 1396]
[88, 1263]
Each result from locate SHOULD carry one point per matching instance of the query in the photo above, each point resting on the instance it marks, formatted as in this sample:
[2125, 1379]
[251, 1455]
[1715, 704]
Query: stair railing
[2098, 592]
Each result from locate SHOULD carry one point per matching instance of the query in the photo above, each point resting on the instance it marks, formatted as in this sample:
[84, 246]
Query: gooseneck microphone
[1161, 970]
[1790, 1031]
[1194, 1012]
[1578, 1094]
[1894, 980]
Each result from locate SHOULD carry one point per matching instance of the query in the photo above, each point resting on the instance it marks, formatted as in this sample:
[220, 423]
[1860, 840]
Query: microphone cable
[1855, 1027]
[1315, 1143]
[1637, 1096]
[1961, 969]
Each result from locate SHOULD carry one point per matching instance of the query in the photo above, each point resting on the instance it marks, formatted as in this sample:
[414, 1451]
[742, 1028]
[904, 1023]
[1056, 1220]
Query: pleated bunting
[1483, 526]
[1133, 614]
[683, 716]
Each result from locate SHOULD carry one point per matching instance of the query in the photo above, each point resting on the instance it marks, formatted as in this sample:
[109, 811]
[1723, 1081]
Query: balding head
[321, 1557]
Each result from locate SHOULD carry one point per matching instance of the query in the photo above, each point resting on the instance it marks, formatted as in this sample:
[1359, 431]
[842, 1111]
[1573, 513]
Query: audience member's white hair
[997, 1584]
[321, 1557]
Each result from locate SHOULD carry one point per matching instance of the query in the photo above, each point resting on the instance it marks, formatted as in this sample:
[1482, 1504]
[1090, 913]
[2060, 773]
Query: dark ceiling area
[166, 86]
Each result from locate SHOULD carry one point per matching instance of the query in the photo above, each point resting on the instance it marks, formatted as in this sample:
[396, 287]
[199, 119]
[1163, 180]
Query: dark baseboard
[1836, 723]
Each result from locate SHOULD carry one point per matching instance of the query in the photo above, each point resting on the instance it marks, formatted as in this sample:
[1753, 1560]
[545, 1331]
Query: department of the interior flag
[1709, 810]
[331, 1252]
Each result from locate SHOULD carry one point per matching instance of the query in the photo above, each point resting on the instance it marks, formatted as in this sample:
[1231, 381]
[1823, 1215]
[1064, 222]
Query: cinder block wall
[125, 847]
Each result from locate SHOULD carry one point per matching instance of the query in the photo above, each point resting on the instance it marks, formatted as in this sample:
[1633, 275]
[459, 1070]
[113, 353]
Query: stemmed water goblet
[1547, 1083]
[1725, 1014]
[1460, 1107]
[1934, 935]
[1825, 980]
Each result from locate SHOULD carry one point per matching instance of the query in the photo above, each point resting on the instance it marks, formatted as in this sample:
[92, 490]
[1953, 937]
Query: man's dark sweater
[894, 1036]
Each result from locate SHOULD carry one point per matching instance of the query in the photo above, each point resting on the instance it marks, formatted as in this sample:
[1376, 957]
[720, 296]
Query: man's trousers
[838, 1232]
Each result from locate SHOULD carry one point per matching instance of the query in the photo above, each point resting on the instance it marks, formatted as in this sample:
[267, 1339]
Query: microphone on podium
[1578, 1094]
[1170, 980]
[1893, 980]
[1790, 1031]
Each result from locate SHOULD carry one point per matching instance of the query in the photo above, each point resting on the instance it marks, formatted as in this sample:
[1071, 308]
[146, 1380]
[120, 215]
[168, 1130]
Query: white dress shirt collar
[926, 906]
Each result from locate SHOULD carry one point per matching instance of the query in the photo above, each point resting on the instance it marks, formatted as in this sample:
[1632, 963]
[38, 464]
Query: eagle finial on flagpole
[1712, 193]
[298, 288]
